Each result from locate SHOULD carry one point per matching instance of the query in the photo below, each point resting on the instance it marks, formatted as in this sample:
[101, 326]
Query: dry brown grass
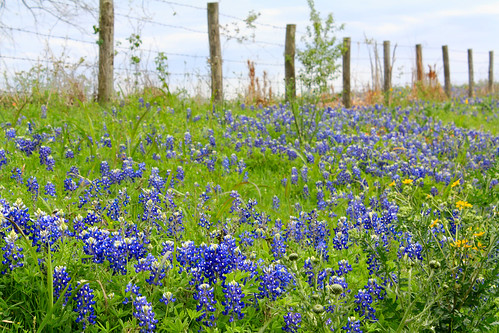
[259, 91]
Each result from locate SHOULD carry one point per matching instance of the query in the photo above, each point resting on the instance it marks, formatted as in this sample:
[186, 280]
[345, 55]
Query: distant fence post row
[419, 71]
[106, 56]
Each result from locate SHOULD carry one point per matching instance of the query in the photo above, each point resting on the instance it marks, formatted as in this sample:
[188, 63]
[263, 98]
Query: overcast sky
[179, 27]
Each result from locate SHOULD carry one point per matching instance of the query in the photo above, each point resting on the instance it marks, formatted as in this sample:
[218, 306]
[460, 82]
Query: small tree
[322, 50]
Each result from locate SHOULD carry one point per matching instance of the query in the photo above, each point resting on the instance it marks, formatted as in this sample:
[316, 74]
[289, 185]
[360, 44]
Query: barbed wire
[47, 35]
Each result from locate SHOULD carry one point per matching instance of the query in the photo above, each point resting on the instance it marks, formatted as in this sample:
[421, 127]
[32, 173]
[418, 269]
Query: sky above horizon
[179, 28]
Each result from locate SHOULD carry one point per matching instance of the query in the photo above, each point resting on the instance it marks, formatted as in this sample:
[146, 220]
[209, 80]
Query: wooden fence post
[387, 71]
[491, 72]
[347, 99]
[289, 62]
[106, 51]
[419, 63]
[215, 53]
[470, 73]
[447, 87]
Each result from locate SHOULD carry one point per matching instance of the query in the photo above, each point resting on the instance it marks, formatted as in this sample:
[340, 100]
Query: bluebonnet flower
[156, 268]
[304, 174]
[284, 182]
[206, 304]
[144, 314]
[43, 111]
[274, 280]
[352, 326]
[344, 267]
[61, 281]
[233, 300]
[212, 141]
[44, 154]
[135, 292]
[167, 298]
[375, 289]
[46, 230]
[363, 299]
[85, 304]
[17, 174]
[33, 186]
[176, 225]
[17, 213]
[10, 133]
[340, 240]
[275, 202]
[306, 193]
[3, 158]
[246, 239]
[278, 246]
[180, 175]
[294, 175]
[241, 166]
[292, 322]
[105, 141]
[26, 145]
[226, 164]
[70, 185]
[69, 154]
[50, 163]
[410, 249]
[308, 266]
[187, 138]
[310, 158]
[12, 256]
[292, 155]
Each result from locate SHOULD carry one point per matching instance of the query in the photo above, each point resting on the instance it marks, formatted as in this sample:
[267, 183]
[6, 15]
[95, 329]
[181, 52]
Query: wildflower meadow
[151, 216]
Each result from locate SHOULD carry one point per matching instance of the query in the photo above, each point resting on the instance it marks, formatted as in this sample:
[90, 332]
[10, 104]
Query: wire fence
[34, 47]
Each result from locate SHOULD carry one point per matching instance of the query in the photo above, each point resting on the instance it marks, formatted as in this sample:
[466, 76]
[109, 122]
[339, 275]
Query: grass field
[151, 215]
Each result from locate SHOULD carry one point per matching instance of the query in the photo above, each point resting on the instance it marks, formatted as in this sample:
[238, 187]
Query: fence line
[363, 67]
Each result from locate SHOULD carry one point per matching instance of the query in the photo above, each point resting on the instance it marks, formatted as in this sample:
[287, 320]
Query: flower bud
[337, 289]
[434, 264]
[317, 308]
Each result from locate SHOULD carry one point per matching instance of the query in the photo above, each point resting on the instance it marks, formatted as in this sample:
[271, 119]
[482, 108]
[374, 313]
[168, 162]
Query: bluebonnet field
[145, 217]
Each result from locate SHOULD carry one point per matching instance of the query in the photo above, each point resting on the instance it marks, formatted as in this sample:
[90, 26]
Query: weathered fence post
[419, 63]
[447, 87]
[491, 72]
[289, 62]
[106, 51]
[215, 53]
[470, 73]
[347, 99]
[387, 71]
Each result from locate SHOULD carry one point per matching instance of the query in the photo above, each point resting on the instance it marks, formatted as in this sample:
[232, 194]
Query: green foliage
[422, 296]
[322, 50]
[135, 41]
[161, 61]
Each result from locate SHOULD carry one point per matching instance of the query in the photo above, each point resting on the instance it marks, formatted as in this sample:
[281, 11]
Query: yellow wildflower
[461, 243]
[463, 204]
[456, 183]
[407, 181]
[434, 223]
[479, 234]
[392, 184]
[479, 246]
